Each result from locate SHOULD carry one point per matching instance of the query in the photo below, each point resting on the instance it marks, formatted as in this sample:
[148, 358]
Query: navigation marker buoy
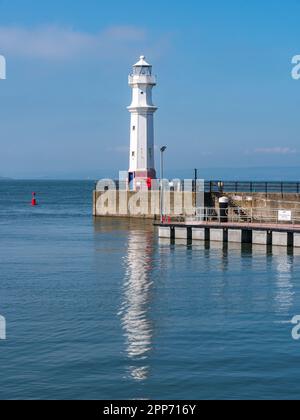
[33, 201]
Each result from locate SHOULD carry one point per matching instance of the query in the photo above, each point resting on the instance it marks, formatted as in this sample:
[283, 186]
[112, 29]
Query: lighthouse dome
[142, 62]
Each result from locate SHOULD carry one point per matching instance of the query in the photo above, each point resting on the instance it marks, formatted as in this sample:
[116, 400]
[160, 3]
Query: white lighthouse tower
[142, 109]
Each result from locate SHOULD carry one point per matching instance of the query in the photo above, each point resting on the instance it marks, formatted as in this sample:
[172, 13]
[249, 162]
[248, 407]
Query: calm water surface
[104, 310]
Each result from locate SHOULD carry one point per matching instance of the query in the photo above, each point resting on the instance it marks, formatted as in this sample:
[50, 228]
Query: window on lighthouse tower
[142, 71]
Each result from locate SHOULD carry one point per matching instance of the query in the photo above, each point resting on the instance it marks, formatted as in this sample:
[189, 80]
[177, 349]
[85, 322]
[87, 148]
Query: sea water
[103, 309]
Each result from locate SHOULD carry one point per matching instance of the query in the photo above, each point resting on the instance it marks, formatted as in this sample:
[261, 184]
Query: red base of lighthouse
[142, 180]
[146, 174]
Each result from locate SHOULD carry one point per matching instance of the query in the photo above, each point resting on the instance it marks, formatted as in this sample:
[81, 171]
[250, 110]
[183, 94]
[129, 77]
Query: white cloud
[56, 43]
[273, 151]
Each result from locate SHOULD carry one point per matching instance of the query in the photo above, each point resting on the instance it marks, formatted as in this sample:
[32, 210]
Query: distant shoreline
[254, 173]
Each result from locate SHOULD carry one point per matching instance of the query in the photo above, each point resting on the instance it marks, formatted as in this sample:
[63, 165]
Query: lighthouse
[141, 159]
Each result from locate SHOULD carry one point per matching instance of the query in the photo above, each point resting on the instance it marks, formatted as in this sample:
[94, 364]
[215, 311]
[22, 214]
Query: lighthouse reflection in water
[137, 327]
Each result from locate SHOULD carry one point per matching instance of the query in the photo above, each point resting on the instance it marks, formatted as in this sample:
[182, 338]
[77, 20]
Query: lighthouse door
[131, 179]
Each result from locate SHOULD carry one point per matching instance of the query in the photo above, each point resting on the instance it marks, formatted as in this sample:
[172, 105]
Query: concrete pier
[256, 234]
[282, 239]
[296, 240]
[181, 233]
[262, 237]
[202, 234]
[164, 232]
[239, 236]
[218, 235]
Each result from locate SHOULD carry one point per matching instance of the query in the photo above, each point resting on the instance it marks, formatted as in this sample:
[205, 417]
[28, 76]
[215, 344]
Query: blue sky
[225, 94]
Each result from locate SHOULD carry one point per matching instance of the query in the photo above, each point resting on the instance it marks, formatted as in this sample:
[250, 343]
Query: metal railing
[243, 215]
[252, 187]
[142, 79]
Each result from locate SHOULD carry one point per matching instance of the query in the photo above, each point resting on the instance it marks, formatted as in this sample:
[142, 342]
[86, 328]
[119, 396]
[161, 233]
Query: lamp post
[162, 150]
[195, 189]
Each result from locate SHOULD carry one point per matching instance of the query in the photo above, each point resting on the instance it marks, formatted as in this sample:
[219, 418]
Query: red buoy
[33, 201]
